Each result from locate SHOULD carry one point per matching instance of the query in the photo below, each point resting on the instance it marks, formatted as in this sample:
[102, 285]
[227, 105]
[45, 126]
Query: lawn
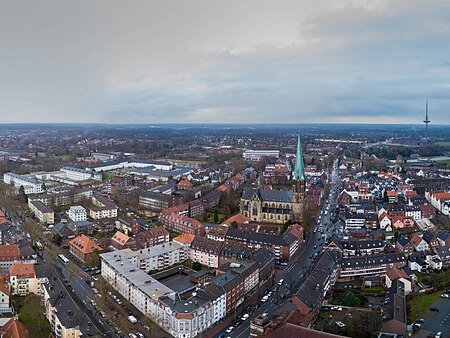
[351, 159]
[443, 143]
[375, 289]
[31, 314]
[210, 217]
[421, 303]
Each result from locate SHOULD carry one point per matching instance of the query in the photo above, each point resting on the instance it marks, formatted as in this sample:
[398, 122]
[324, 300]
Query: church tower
[298, 188]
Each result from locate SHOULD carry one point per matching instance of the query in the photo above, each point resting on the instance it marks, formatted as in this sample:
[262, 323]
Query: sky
[207, 61]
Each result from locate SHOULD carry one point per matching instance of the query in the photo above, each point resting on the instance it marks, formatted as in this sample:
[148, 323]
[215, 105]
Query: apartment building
[180, 318]
[64, 315]
[9, 255]
[151, 237]
[157, 201]
[22, 279]
[375, 265]
[205, 251]
[106, 208]
[440, 200]
[30, 185]
[77, 213]
[83, 247]
[182, 224]
[42, 212]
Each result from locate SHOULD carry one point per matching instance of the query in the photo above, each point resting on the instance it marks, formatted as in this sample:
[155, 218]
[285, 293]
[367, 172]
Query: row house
[247, 269]
[438, 200]
[217, 233]
[404, 245]
[354, 247]
[311, 294]
[233, 284]
[283, 247]
[192, 209]
[403, 222]
[431, 239]
[419, 243]
[182, 224]
[444, 255]
[444, 238]
[205, 251]
[65, 316]
[356, 267]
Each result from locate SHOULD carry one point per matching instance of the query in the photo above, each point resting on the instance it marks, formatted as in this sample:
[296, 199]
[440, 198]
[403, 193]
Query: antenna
[426, 121]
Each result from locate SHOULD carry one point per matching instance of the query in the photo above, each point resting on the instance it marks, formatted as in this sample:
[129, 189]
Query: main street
[295, 273]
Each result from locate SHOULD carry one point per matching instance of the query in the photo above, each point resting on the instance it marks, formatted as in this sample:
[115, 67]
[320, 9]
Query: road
[295, 273]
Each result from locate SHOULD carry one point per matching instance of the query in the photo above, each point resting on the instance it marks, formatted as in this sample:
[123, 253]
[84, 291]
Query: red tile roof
[84, 244]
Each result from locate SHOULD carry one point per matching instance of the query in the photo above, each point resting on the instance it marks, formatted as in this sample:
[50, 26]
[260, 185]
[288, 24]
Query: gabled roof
[84, 244]
[14, 329]
[120, 237]
[22, 269]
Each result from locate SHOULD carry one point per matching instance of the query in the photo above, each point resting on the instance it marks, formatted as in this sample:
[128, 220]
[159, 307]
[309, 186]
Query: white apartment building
[180, 318]
[30, 185]
[77, 213]
[158, 257]
[77, 174]
[258, 155]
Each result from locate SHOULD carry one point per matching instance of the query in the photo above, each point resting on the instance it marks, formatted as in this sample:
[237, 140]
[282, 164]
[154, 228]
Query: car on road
[281, 281]
[438, 335]
[264, 299]
[245, 316]
[230, 329]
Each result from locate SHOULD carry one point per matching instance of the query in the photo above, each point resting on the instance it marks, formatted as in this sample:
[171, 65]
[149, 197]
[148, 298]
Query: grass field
[443, 143]
[421, 304]
[31, 314]
[210, 217]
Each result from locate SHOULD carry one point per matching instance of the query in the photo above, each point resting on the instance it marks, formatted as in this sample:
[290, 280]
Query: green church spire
[299, 170]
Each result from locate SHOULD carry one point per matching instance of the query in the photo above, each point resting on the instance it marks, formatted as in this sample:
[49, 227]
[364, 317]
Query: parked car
[230, 329]
[280, 282]
[434, 309]
[264, 299]
[245, 316]
[445, 295]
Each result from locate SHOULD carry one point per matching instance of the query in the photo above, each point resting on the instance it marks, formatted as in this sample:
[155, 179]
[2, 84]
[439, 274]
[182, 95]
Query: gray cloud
[230, 61]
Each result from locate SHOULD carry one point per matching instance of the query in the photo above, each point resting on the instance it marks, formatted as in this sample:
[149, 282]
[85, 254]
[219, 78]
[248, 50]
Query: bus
[63, 259]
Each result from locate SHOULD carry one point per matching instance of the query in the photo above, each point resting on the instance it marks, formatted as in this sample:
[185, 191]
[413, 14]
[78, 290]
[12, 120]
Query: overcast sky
[333, 61]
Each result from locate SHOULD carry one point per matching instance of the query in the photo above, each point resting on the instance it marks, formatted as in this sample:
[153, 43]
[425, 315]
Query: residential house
[22, 279]
[419, 243]
[83, 248]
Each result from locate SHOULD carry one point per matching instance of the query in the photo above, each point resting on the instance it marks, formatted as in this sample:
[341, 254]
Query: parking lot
[438, 321]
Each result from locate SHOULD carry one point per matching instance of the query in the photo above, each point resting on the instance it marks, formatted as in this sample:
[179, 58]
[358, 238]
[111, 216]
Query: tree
[57, 239]
[189, 210]
[216, 216]
[234, 224]
[196, 266]
[22, 194]
[94, 259]
[385, 198]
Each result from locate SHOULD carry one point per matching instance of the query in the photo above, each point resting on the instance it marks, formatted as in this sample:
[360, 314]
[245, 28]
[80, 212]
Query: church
[277, 206]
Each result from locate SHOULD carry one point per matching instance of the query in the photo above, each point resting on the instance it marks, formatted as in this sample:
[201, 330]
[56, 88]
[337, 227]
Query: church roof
[269, 195]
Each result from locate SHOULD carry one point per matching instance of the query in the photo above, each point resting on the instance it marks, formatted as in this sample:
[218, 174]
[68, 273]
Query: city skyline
[227, 62]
